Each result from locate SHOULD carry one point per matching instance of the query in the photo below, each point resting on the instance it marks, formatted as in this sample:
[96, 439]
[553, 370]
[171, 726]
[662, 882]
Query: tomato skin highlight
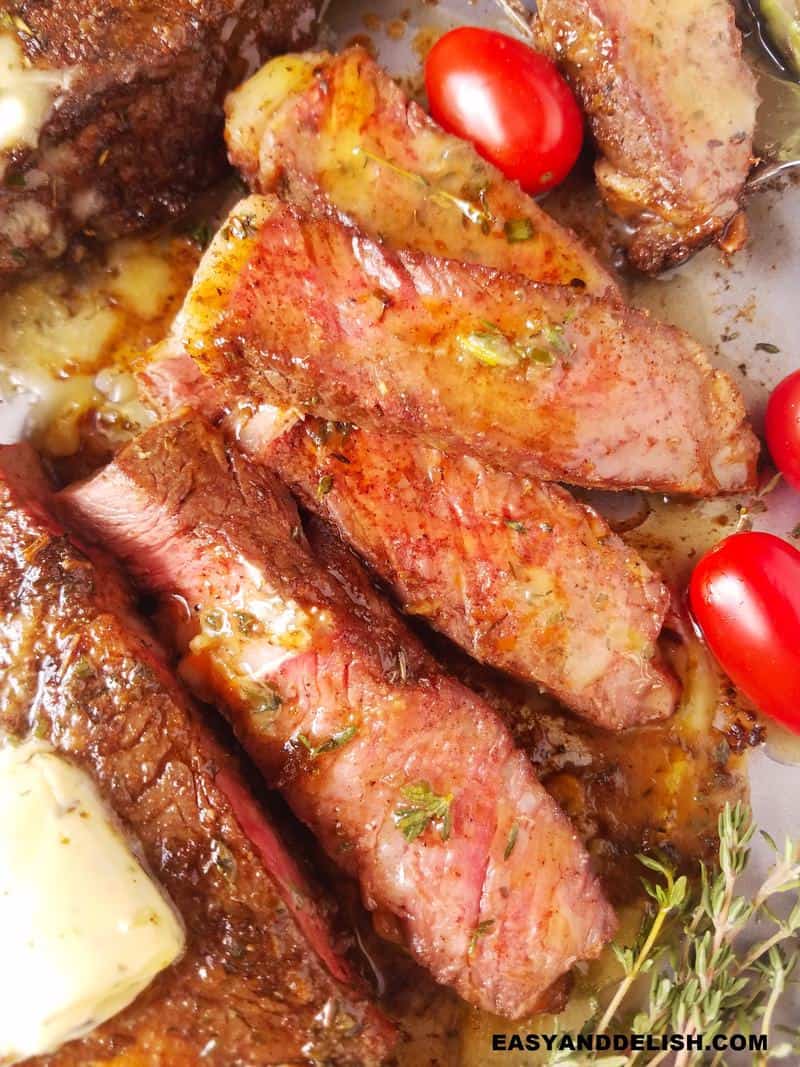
[509, 101]
[745, 596]
[783, 428]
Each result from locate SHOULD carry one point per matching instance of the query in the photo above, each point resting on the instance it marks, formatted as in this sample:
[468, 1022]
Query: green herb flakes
[324, 486]
[481, 930]
[517, 230]
[421, 809]
[516, 525]
[331, 744]
[513, 834]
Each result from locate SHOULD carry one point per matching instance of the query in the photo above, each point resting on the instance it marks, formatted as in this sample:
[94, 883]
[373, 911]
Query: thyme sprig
[727, 962]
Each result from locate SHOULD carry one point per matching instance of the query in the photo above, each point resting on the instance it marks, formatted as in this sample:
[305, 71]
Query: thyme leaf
[331, 744]
[729, 962]
[422, 808]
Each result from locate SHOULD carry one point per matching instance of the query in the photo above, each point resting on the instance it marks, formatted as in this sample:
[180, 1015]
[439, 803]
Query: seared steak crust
[516, 572]
[672, 106]
[340, 127]
[81, 671]
[309, 313]
[342, 708]
[135, 125]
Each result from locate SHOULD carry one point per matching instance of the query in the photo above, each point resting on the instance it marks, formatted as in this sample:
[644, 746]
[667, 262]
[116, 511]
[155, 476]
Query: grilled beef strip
[125, 110]
[261, 980]
[313, 124]
[410, 781]
[672, 106]
[515, 571]
[537, 380]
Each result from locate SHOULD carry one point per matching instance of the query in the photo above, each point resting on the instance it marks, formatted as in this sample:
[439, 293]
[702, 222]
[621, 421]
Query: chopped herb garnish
[422, 808]
[82, 668]
[477, 213]
[239, 227]
[262, 699]
[796, 532]
[489, 347]
[333, 742]
[245, 622]
[214, 621]
[516, 525]
[15, 181]
[480, 931]
[767, 346]
[223, 859]
[513, 834]
[546, 177]
[518, 230]
[324, 486]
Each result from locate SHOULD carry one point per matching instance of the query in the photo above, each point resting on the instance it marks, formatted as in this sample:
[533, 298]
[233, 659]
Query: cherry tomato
[745, 596]
[510, 101]
[783, 428]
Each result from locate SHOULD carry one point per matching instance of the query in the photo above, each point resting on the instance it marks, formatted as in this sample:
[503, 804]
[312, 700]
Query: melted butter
[69, 344]
[27, 96]
[84, 929]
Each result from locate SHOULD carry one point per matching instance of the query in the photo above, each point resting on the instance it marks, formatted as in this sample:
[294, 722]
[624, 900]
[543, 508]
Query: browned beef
[672, 106]
[410, 781]
[135, 124]
[79, 669]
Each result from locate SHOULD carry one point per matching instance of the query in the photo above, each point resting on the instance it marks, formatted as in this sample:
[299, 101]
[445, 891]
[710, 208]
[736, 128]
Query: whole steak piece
[261, 980]
[672, 106]
[114, 110]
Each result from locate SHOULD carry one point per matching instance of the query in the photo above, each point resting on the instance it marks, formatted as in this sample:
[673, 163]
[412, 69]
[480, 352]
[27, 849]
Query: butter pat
[84, 929]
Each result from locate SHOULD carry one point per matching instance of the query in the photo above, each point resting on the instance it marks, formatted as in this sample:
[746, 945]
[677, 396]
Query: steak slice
[122, 105]
[410, 781]
[339, 126]
[80, 670]
[672, 106]
[516, 572]
[308, 313]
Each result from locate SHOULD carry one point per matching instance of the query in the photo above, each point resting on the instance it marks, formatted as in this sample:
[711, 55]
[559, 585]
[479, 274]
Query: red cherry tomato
[745, 596]
[510, 101]
[783, 428]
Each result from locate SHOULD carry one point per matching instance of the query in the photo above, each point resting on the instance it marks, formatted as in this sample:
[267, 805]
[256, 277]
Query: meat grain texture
[672, 106]
[411, 782]
[124, 110]
[307, 312]
[79, 669]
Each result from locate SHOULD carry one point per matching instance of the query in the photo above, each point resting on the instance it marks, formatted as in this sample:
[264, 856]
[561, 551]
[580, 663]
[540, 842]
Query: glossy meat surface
[672, 106]
[124, 104]
[339, 126]
[408, 779]
[79, 669]
[515, 571]
[308, 313]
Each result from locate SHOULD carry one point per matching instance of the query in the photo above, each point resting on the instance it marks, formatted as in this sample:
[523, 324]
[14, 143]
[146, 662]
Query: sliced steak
[308, 313]
[672, 106]
[80, 670]
[119, 115]
[339, 126]
[516, 572]
[409, 780]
